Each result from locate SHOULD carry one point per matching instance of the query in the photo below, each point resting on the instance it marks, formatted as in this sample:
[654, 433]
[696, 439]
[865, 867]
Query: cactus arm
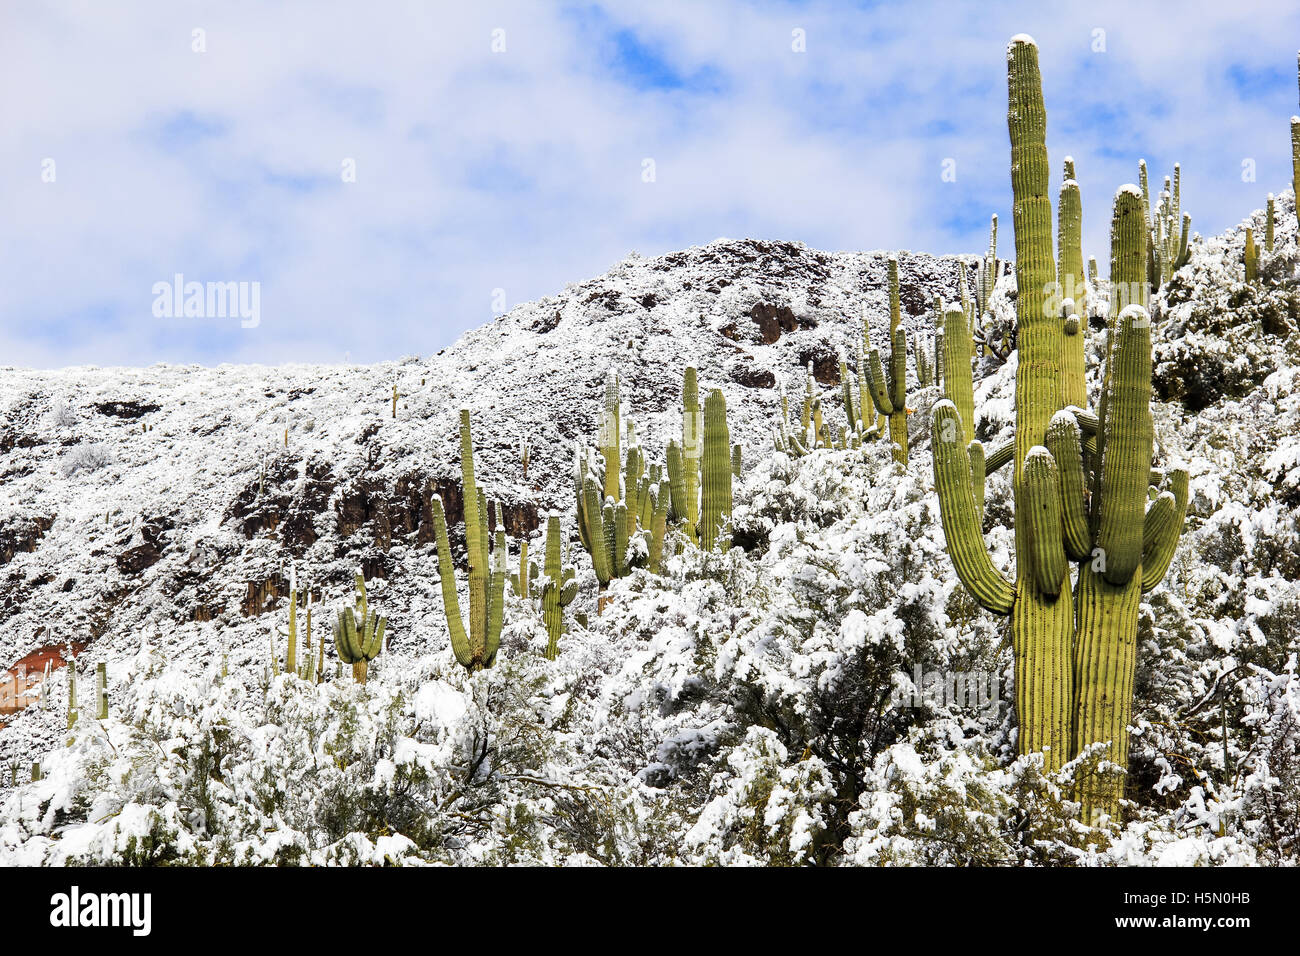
[961, 522]
[1129, 437]
[658, 528]
[619, 546]
[460, 643]
[1158, 552]
[496, 601]
[999, 456]
[596, 532]
[958, 382]
[876, 384]
[1064, 444]
[1042, 494]
[977, 476]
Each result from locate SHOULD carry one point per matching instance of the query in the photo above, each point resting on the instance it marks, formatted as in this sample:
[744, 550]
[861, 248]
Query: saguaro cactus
[889, 391]
[359, 633]
[475, 648]
[558, 589]
[101, 691]
[1040, 605]
[715, 503]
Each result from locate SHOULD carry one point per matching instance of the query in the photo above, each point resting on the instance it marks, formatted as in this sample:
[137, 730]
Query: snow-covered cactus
[72, 695]
[1041, 610]
[1132, 542]
[889, 390]
[291, 652]
[559, 587]
[101, 691]
[476, 647]
[608, 433]
[958, 382]
[1073, 289]
[737, 460]
[359, 633]
[692, 453]
[715, 499]
[1295, 160]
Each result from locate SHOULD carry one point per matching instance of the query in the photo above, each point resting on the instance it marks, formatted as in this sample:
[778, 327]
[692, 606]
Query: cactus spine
[359, 633]
[558, 589]
[475, 648]
[888, 391]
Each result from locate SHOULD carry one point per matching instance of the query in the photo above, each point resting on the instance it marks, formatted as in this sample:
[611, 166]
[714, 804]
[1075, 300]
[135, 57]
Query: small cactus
[559, 588]
[359, 633]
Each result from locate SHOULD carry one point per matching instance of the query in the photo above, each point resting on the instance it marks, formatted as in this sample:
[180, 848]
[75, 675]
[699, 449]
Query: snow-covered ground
[740, 709]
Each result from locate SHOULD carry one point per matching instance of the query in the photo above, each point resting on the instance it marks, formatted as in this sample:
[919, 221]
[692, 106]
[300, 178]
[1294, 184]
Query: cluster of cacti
[1073, 677]
[990, 269]
[1167, 228]
[813, 431]
[622, 505]
[559, 587]
[700, 467]
[358, 634]
[475, 648]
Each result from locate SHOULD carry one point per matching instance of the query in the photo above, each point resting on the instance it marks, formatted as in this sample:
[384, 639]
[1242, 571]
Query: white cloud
[521, 170]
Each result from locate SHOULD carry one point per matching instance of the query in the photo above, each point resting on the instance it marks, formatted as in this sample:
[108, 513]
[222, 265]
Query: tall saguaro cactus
[1039, 603]
[476, 647]
[889, 390]
[1074, 677]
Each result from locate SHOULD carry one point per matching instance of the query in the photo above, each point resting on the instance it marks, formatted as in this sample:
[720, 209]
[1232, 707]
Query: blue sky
[489, 175]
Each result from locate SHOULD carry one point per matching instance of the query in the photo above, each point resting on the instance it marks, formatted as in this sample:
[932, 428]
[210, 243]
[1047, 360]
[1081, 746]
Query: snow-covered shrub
[85, 459]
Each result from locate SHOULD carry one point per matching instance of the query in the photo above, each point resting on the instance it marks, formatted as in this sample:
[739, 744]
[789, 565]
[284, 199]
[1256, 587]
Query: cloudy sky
[389, 172]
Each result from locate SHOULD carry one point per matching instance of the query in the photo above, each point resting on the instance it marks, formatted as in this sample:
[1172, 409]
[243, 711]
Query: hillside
[732, 710]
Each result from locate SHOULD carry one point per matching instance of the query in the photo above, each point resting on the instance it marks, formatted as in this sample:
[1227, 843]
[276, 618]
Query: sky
[375, 178]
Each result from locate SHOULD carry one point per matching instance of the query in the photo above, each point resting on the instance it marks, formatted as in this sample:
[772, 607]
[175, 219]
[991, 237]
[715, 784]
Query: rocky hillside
[730, 711]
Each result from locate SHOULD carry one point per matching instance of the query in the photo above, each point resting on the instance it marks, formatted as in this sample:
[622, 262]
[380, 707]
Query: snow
[705, 716]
